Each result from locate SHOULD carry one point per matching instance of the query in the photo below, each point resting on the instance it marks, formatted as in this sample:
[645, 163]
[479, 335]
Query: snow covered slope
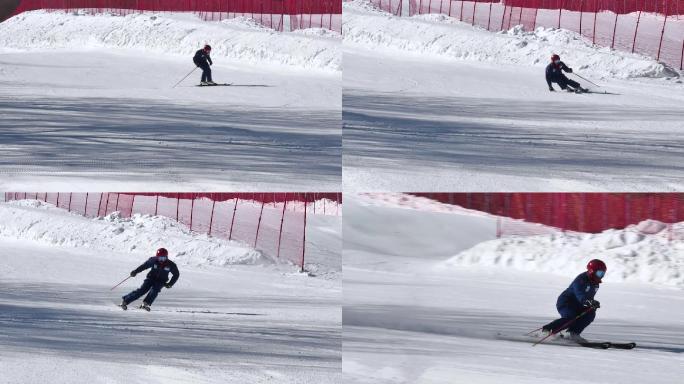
[232, 317]
[238, 40]
[432, 101]
[412, 317]
[88, 103]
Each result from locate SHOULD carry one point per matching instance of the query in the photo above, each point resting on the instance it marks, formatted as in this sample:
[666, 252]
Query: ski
[144, 307]
[623, 345]
[595, 344]
[216, 85]
[124, 307]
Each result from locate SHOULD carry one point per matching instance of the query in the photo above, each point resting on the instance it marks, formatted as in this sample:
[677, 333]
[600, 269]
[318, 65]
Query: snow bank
[639, 253]
[240, 39]
[139, 235]
[444, 37]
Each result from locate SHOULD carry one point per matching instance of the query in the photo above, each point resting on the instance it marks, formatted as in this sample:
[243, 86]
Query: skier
[203, 60]
[576, 299]
[160, 266]
[554, 74]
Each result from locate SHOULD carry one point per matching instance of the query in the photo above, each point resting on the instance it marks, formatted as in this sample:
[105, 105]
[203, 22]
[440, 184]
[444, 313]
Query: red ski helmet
[162, 252]
[555, 57]
[596, 269]
[207, 48]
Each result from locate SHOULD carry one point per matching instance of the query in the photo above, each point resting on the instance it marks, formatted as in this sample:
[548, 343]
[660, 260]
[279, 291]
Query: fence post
[256, 238]
[99, 204]
[116, 206]
[662, 33]
[636, 30]
[192, 208]
[304, 235]
[503, 16]
[177, 205]
[70, 195]
[474, 4]
[57, 200]
[156, 205]
[211, 218]
[489, 19]
[612, 44]
[581, 14]
[232, 221]
[461, 15]
[280, 232]
[681, 61]
[107, 204]
[593, 32]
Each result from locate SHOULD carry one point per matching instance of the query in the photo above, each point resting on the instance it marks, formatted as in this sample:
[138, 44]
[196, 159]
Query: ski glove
[133, 273]
[592, 303]
[168, 286]
[569, 70]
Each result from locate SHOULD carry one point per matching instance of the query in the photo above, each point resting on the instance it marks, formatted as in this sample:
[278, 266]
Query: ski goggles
[600, 274]
[556, 61]
[162, 258]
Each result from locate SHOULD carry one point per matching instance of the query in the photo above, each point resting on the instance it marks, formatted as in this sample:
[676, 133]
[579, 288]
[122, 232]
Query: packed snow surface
[410, 316]
[226, 320]
[433, 104]
[106, 102]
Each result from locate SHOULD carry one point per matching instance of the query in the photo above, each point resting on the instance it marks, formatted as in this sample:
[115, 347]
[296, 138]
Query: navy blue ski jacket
[580, 290]
[554, 73]
[201, 58]
[159, 272]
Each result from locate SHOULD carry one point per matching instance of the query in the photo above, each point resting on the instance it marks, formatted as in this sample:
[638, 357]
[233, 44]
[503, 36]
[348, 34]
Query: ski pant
[148, 285]
[563, 82]
[568, 313]
[206, 72]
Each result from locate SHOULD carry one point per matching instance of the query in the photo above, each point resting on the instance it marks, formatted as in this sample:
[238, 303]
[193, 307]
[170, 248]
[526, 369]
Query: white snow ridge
[631, 254]
[240, 40]
[138, 236]
[441, 36]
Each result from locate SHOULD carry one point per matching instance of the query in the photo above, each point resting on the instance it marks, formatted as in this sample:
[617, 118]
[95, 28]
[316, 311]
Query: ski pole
[564, 325]
[585, 79]
[186, 76]
[120, 283]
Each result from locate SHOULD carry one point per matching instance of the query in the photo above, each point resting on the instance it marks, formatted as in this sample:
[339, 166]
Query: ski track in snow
[464, 135]
[408, 319]
[219, 324]
[98, 123]
[429, 101]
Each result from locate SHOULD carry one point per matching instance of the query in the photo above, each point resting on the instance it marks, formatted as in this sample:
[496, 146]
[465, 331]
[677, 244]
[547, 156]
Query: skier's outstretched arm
[174, 278]
[142, 267]
[209, 59]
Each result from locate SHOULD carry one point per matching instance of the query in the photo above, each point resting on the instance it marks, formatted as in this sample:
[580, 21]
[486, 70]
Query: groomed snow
[88, 103]
[239, 40]
[409, 318]
[226, 320]
[430, 101]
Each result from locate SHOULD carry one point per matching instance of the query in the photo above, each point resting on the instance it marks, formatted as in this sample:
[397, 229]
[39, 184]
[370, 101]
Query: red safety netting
[271, 13]
[578, 212]
[274, 223]
[650, 27]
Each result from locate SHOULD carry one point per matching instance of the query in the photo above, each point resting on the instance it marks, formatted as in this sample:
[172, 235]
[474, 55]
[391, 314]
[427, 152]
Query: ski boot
[575, 337]
[210, 83]
[145, 306]
[123, 305]
[203, 83]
